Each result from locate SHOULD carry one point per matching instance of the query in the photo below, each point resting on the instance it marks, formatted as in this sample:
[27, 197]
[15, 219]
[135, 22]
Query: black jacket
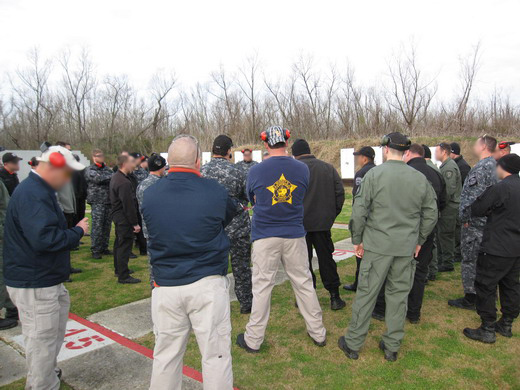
[37, 242]
[10, 180]
[464, 168]
[79, 183]
[358, 177]
[122, 200]
[501, 204]
[434, 177]
[324, 197]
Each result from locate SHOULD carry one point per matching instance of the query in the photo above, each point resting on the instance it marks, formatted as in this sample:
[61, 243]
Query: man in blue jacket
[185, 216]
[37, 246]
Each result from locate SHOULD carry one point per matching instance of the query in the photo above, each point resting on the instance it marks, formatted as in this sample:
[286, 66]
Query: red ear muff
[243, 151]
[57, 160]
[287, 134]
[30, 163]
[263, 136]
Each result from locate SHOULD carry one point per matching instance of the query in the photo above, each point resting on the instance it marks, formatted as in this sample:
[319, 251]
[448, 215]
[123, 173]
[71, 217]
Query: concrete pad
[132, 320]
[113, 367]
[12, 364]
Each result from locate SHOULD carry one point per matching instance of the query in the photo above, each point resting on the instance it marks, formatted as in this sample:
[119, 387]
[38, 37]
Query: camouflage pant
[101, 224]
[470, 247]
[240, 253]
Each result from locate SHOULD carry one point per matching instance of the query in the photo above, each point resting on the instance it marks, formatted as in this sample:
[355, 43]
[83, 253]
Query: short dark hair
[121, 160]
[446, 146]
[62, 143]
[490, 142]
[279, 145]
[417, 149]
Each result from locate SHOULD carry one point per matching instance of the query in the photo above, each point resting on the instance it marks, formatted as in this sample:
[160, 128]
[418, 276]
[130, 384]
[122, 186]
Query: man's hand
[359, 250]
[137, 229]
[84, 225]
[417, 250]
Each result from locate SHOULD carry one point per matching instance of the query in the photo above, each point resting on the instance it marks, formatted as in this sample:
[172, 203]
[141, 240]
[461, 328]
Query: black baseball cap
[455, 148]
[137, 155]
[156, 162]
[222, 144]
[366, 151]
[10, 157]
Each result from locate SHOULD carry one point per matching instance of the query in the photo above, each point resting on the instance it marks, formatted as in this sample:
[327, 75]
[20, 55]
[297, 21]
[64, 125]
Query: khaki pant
[43, 314]
[267, 255]
[399, 274]
[203, 307]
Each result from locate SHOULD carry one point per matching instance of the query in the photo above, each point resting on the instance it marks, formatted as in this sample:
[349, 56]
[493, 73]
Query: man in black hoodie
[125, 216]
[322, 203]
[498, 263]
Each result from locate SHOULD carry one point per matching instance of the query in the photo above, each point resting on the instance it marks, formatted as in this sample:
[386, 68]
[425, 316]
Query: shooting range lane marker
[121, 340]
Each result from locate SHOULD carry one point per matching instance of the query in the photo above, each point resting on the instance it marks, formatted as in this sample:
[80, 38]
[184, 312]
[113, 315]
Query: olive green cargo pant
[446, 237]
[375, 268]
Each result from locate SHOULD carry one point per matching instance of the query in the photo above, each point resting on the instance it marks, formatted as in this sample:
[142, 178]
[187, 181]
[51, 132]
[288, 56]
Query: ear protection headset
[56, 159]
[387, 141]
[247, 150]
[265, 138]
[505, 145]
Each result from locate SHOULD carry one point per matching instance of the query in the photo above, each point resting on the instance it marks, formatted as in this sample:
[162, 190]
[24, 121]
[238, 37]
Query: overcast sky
[194, 37]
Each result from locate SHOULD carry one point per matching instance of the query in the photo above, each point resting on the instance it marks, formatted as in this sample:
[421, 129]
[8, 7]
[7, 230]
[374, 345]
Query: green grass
[344, 216]
[434, 354]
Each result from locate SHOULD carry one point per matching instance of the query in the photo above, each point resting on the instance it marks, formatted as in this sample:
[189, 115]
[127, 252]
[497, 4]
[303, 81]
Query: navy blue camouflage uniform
[481, 176]
[246, 165]
[98, 180]
[151, 179]
[233, 179]
[140, 174]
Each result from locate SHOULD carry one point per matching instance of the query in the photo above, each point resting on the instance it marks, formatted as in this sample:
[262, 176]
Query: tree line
[64, 98]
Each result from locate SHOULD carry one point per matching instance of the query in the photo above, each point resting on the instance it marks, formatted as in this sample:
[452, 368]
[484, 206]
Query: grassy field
[434, 354]
[96, 289]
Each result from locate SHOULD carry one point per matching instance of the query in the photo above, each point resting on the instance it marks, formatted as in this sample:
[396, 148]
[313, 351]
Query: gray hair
[184, 151]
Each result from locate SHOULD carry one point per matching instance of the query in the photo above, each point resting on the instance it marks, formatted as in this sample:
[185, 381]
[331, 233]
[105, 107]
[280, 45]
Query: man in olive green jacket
[448, 220]
[392, 216]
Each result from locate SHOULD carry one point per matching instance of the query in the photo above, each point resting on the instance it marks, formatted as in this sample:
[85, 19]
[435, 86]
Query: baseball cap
[10, 157]
[137, 155]
[70, 161]
[366, 151]
[275, 135]
[156, 162]
[455, 148]
[222, 144]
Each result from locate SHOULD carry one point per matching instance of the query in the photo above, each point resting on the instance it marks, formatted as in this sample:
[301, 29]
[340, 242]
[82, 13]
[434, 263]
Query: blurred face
[67, 147]
[499, 153]
[248, 156]
[360, 161]
[439, 154]
[453, 155]
[501, 173]
[99, 158]
[55, 177]
[144, 164]
[479, 147]
[12, 166]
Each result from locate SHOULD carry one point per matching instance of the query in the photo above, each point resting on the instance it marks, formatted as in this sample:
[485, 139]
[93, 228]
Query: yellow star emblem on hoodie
[282, 190]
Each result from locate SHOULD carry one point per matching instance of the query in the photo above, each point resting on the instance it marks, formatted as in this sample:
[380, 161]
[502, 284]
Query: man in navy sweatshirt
[185, 216]
[276, 187]
[37, 246]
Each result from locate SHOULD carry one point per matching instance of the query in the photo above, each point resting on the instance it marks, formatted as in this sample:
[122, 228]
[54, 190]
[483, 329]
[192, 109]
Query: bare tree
[411, 93]
[79, 83]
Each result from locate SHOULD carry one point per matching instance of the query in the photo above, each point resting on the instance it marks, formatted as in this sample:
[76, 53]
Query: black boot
[12, 314]
[336, 303]
[504, 327]
[466, 302]
[485, 333]
[389, 355]
[350, 353]
[350, 287]
[7, 323]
